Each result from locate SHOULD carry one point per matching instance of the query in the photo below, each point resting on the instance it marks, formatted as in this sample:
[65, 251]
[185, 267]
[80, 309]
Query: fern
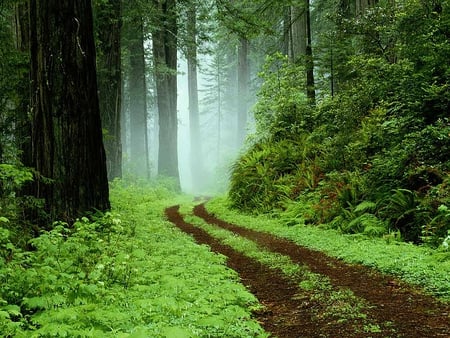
[365, 207]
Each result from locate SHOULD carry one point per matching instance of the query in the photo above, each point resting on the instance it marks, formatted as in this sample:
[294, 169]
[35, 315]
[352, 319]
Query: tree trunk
[310, 83]
[165, 61]
[138, 101]
[194, 119]
[22, 117]
[298, 33]
[243, 83]
[68, 152]
[109, 18]
[301, 46]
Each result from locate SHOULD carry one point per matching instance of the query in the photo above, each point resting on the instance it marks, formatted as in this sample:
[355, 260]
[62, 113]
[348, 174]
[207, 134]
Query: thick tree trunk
[138, 102]
[68, 152]
[165, 60]
[298, 32]
[110, 82]
[243, 83]
[22, 117]
[194, 118]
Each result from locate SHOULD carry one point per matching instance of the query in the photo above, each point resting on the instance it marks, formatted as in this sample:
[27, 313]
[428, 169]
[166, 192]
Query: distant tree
[164, 39]
[243, 75]
[68, 152]
[194, 114]
[137, 91]
[109, 76]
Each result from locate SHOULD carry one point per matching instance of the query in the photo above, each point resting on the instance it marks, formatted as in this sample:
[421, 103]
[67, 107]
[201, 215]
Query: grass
[129, 274]
[419, 265]
[335, 305]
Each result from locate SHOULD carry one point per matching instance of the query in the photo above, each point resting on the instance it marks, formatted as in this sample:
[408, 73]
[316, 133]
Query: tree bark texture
[298, 31]
[22, 117]
[109, 76]
[68, 152]
[310, 83]
[165, 61]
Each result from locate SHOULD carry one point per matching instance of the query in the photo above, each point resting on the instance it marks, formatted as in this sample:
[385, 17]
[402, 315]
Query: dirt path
[411, 313]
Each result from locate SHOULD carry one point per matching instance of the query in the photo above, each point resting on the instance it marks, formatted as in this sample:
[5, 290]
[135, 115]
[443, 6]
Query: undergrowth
[127, 273]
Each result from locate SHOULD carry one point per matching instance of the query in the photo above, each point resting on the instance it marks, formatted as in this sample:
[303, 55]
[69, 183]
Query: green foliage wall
[382, 138]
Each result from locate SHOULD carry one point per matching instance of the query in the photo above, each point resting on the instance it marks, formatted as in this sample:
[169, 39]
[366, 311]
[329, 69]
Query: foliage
[125, 273]
[380, 137]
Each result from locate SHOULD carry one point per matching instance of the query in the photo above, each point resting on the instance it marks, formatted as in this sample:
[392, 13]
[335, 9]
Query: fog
[218, 115]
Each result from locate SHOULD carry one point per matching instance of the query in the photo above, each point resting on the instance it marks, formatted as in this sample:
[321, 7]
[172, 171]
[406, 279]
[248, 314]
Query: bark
[194, 118]
[243, 83]
[298, 33]
[165, 60]
[138, 102]
[301, 46]
[286, 31]
[310, 83]
[22, 116]
[68, 152]
[110, 82]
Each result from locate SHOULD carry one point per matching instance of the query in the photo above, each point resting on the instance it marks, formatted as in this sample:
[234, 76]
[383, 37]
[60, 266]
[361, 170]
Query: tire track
[284, 316]
[412, 313]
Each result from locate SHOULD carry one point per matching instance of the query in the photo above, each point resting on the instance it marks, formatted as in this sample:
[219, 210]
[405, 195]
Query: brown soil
[289, 313]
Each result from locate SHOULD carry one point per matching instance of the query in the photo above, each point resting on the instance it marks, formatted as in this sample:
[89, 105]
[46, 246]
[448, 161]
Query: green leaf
[176, 332]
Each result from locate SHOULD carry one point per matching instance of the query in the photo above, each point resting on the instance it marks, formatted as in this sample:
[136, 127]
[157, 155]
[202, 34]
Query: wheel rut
[284, 316]
[412, 313]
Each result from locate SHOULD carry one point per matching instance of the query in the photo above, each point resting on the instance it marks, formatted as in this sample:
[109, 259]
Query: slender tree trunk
[194, 118]
[68, 152]
[243, 83]
[301, 45]
[109, 18]
[286, 31]
[310, 83]
[138, 101]
[165, 61]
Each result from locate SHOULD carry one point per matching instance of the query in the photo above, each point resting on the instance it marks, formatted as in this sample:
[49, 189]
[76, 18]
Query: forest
[166, 165]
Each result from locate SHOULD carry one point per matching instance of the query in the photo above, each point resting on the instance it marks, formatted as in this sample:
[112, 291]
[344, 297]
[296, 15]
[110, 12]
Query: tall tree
[137, 87]
[243, 75]
[68, 152]
[109, 22]
[194, 118]
[22, 121]
[164, 39]
[301, 44]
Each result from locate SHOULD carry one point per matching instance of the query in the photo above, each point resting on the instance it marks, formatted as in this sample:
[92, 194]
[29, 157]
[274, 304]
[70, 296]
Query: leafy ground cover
[129, 273]
[419, 265]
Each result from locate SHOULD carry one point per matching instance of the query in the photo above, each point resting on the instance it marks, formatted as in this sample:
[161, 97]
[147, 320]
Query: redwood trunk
[110, 82]
[68, 152]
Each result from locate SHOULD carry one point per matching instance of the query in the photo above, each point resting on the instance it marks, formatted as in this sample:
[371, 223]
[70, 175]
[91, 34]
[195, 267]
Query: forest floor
[390, 307]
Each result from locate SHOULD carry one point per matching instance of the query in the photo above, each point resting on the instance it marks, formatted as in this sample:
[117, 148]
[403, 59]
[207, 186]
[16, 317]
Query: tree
[137, 88]
[68, 152]
[164, 39]
[109, 22]
[194, 118]
[301, 44]
[243, 75]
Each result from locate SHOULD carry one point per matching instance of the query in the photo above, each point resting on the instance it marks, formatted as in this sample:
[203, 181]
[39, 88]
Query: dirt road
[393, 308]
